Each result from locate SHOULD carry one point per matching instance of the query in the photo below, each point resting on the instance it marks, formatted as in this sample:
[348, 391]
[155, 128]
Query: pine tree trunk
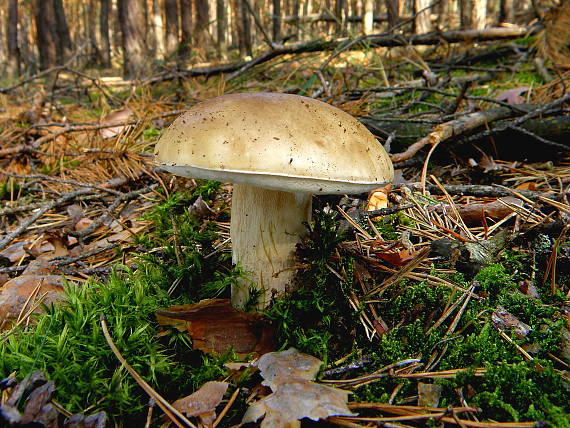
[368, 16]
[507, 12]
[201, 26]
[13, 51]
[94, 51]
[422, 19]
[171, 15]
[221, 27]
[64, 47]
[131, 17]
[158, 29]
[479, 14]
[276, 20]
[393, 10]
[104, 33]
[186, 28]
[45, 22]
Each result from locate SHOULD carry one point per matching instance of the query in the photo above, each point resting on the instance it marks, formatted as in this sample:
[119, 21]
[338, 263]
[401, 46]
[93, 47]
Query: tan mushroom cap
[276, 141]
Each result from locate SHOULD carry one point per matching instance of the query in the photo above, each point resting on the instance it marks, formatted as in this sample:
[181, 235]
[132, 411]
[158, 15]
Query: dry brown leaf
[504, 320]
[15, 295]
[473, 213]
[428, 394]
[286, 365]
[377, 200]
[117, 116]
[513, 96]
[14, 252]
[203, 402]
[396, 258]
[298, 399]
[215, 326]
[294, 397]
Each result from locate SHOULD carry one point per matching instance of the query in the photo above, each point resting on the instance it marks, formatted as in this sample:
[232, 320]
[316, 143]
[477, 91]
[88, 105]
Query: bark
[94, 52]
[104, 33]
[64, 47]
[221, 27]
[45, 22]
[185, 27]
[276, 20]
[243, 28]
[368, 16]
[393, 11]
[422, 20]
[158, 29]
[171, 19]
[13, 51]
[201, 25]
[465, 14]
[507, 11]
[131, 17]
[340, 7]
[479, 14]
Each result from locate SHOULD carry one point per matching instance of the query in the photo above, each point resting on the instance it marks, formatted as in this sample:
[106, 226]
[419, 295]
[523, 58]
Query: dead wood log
[556, 128]
[470, 122]
[367, 42]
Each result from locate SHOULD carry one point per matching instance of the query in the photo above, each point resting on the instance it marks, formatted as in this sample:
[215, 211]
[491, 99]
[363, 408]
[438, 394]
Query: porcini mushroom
[277, 150]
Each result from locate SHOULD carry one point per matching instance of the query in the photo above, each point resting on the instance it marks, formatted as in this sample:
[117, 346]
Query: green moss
[68, 344]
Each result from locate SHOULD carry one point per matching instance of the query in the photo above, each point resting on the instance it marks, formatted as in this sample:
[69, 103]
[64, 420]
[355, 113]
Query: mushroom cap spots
[278, 141]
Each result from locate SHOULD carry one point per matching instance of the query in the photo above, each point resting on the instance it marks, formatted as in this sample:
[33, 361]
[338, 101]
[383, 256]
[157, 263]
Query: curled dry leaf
[473, 213]
[297, 399]
[294, 396]
[21, 294]
[513, 96]
[117, 116]
[428, 394]
[504, 320]
[203, 402]
[215, 326]
[287, 364]
[377, 200]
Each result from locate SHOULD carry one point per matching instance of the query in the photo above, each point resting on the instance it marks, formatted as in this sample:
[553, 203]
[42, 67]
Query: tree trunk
[479, 14]
[368, 16]
[45, 22]
[64, 47]
[13, 51]
[171, 15]
[422, 19]
[507, 11]
[131, 17]
[94, 52]
[186, 27]
[221, 27]
[393, 11]
[276, 20]
[201, 26]
[243, 28]
[104, 32]
[158, 29]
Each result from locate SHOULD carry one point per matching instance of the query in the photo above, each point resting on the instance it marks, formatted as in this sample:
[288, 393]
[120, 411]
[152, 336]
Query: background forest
[143, 35]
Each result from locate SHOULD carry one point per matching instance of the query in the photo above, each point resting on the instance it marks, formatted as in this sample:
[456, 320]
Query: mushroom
[277, 150]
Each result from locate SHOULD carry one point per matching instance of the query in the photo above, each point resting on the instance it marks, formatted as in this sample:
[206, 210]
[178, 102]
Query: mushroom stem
[265, 227]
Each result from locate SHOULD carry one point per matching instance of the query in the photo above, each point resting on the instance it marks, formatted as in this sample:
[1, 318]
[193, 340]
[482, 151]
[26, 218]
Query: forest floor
[446, 305]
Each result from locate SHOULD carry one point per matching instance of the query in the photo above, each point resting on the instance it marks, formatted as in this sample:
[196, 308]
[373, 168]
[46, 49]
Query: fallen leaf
[377, 200]
[297, 399]
[396, 258]
[15, 296]
[118, 116]
[513, 96]
[294, 397]
[429, 394]
[14, 252]
[287, 364]
[203, 402]
[504, 320]
[82, 224]
[199, 209]
[215, 326]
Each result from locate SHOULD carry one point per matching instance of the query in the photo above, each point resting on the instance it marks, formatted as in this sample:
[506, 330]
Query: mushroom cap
[276, 141]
